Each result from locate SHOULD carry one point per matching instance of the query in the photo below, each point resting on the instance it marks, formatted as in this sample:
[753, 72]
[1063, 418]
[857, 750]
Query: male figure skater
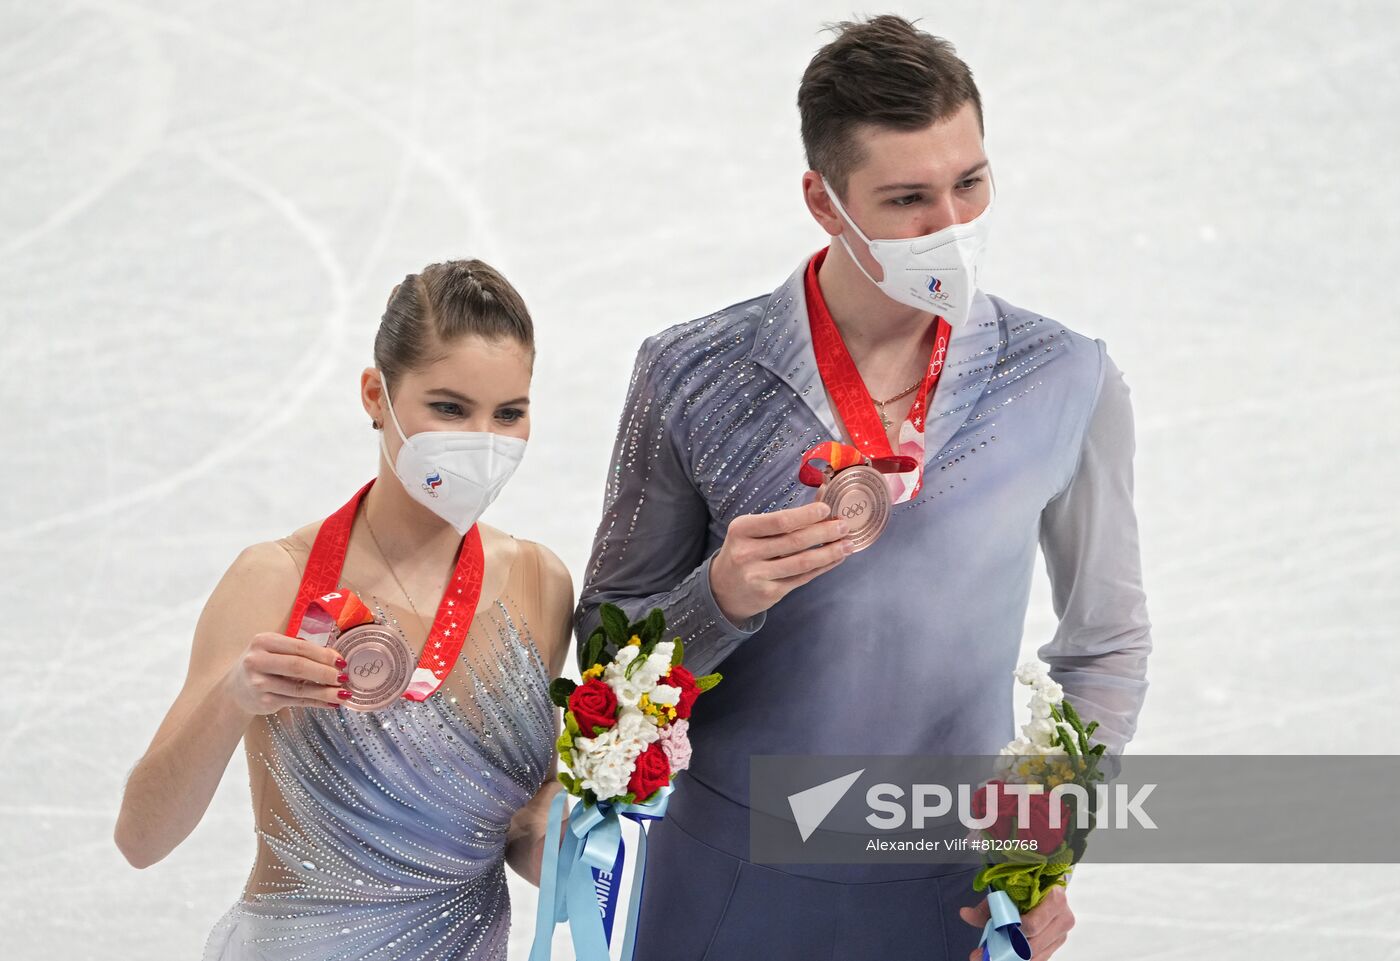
[1018, 430]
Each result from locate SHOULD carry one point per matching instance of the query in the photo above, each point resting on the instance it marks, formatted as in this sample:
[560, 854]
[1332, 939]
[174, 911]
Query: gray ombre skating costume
[382, 834]
[908, 647]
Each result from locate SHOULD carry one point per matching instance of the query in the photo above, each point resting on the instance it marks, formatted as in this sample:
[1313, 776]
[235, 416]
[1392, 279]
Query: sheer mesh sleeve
[1089, 536]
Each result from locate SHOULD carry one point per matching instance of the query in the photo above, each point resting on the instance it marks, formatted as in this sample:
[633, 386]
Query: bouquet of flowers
[1035, 829]
[625, 737]
[625, 727]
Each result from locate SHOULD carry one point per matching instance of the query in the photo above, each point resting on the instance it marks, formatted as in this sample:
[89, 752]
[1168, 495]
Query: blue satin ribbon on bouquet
[592, 846]
[1002, 939]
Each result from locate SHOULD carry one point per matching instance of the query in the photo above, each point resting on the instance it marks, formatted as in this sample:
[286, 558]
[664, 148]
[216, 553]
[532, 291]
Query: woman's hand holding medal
[766, 556]
[277, 671]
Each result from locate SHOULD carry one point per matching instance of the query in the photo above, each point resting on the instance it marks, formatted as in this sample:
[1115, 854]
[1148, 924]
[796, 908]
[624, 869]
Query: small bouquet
[1035, 828]
[625, 736]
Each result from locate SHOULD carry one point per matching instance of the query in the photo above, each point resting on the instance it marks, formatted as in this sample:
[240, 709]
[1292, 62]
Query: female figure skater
[385, 833]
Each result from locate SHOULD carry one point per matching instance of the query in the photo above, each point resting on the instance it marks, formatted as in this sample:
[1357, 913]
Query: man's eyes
[909, 200]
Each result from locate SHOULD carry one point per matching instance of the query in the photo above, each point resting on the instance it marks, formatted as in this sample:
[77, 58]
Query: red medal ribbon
[840, 456]
[854, 404]
[455, 611]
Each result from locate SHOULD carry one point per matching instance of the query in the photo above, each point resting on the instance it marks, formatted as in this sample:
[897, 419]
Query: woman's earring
[375, 424]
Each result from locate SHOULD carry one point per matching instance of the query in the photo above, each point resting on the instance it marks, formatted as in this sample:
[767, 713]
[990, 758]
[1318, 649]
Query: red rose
[653, 771]
[594, 705]
[1039, 832]
[682, 678]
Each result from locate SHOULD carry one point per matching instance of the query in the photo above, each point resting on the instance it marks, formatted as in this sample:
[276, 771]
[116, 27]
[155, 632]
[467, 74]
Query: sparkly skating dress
[381, 835]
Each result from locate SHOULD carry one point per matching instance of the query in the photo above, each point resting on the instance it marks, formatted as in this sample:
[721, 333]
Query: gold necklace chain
[390, 567]
[904, 393]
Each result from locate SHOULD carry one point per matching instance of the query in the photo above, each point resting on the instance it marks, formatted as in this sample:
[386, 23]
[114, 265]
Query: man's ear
[819, 204]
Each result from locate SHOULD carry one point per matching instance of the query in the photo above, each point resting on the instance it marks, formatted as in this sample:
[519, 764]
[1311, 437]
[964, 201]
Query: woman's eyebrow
[467, 400]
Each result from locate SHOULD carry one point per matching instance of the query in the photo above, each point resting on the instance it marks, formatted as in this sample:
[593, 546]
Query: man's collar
[783, 344]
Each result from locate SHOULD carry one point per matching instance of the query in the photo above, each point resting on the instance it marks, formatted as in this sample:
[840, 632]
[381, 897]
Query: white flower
[1050, 690]
[665, 694]
[657, 664]
[1019, 748]
[1041, 732]
[629, 690]
[605, 776]
[661, 655]
[1040, 706]
[603, 764]
[599, 745]
[636, 729]
[1030, 671]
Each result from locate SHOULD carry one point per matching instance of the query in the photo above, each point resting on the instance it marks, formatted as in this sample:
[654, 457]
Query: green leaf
[571, 724]
[1072, 715]
[559, 690]
[569, 781]
[655, 624]
[1070, 747]
[708, 681]
[1002, 870]
[1044, 888]
[614, 623]
[1020, 890]
[1024, 856]
[677, 652]
[594, 650]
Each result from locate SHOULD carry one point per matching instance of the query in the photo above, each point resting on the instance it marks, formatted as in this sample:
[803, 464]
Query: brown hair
[441, 303]
[884, 72]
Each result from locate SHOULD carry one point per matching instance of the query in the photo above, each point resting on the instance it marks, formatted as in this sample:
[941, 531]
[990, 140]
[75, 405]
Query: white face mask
[456, 474]
[936, 273]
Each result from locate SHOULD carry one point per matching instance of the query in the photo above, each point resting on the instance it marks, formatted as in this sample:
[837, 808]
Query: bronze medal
[379, 663]
[858, 495]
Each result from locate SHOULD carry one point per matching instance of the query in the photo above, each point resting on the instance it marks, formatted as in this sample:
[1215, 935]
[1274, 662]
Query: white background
[203, 207]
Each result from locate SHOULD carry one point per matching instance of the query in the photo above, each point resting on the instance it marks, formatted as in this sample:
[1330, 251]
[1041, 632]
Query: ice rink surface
[206, 204]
